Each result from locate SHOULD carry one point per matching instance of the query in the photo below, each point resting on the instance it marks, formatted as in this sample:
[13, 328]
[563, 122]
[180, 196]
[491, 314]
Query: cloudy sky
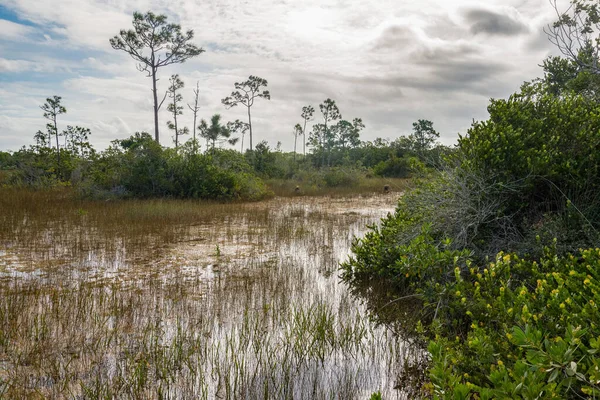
[390, 62]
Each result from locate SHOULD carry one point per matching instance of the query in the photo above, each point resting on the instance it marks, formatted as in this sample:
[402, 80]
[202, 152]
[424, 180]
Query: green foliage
[512, 328]
[376, 396]
[534, 330]
[545, 137]
[40, 168]
[521, 191]
[575, 33]
[6, 160]
[563, 76]
[548, 146]
[337, 176]
[246, 93]
[267, 163]
[423, 136]
[77, 141]
[215, 132]
[175, 107]
[393, 167]
[140, 167]
[52, 109]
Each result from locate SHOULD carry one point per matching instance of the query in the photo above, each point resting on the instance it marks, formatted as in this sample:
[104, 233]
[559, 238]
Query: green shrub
[139, 167]
[534, 330]
[394, 167]
[340, 176]
[550, 147]
[521, 191]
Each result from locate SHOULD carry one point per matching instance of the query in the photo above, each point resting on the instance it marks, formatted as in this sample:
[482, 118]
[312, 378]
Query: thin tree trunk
[304, 138]
[250, 125]
[195, 132]
[57, 145]
[242, 148]
[295, 139]
[323, 138]
[175, 123]
[195, 110]
[154, 92]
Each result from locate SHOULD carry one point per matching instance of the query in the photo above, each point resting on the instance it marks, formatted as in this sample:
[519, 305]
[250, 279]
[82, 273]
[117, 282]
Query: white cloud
[40, 64]
[12, 31]
[386, 61]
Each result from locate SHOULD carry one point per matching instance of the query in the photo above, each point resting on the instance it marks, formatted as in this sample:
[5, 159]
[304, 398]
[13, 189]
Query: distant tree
[195, 109]
[348, 133]
[166, 45]
[357, 127]
[77, 141]
[246, 92]
[240, 128]
[331, 113]
[575, 33]
[41, 140]
[175, 107]
[52, 109]
[297, 132]
[307, 115]
[423, 136]
[316, 140]
[215, 132]
[264, 160]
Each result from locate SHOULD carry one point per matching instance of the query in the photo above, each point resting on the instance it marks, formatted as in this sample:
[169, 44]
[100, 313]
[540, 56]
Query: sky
[389, 62]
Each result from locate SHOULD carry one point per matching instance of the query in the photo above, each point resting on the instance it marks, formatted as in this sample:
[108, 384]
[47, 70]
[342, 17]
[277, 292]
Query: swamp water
[184, 300]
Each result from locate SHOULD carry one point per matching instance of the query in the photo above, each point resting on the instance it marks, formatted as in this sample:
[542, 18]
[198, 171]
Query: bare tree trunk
[295, 140]
[323, 138]
[250, 125]
[242, 148]
[154, 92]
[195, 111]
[304, 138]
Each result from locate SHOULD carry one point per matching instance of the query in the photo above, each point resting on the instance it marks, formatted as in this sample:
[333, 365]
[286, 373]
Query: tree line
[60, 156]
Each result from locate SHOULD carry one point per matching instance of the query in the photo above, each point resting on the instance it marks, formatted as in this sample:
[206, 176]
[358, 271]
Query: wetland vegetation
[143, 271]
[183, 299]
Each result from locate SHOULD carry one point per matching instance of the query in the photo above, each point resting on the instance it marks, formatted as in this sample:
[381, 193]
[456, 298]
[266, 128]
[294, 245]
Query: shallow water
[243, 303]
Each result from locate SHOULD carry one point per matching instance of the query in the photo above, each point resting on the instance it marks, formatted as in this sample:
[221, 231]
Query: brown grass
[367, 186]
[184, 299]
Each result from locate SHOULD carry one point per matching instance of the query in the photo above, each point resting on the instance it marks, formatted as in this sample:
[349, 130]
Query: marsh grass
[131, 299]
[363, 186]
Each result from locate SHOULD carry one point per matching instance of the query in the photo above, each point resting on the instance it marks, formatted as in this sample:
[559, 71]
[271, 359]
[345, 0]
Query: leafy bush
[140, 167]
[40, 168]
[393, 167]
[522, 191]
[534, 330]
[339, 176]
[550, 147]
[333, 177]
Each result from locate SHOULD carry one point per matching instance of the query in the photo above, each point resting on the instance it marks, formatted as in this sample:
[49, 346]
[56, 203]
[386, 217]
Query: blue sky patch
[12, 16]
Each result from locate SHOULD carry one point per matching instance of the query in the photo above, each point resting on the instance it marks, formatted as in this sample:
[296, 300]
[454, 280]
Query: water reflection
[246, 303]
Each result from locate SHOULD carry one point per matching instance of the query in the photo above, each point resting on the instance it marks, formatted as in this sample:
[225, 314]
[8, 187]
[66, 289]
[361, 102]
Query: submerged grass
[182, 299]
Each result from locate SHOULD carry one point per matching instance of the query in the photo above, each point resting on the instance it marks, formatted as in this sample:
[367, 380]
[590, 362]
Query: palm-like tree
[215, 132]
